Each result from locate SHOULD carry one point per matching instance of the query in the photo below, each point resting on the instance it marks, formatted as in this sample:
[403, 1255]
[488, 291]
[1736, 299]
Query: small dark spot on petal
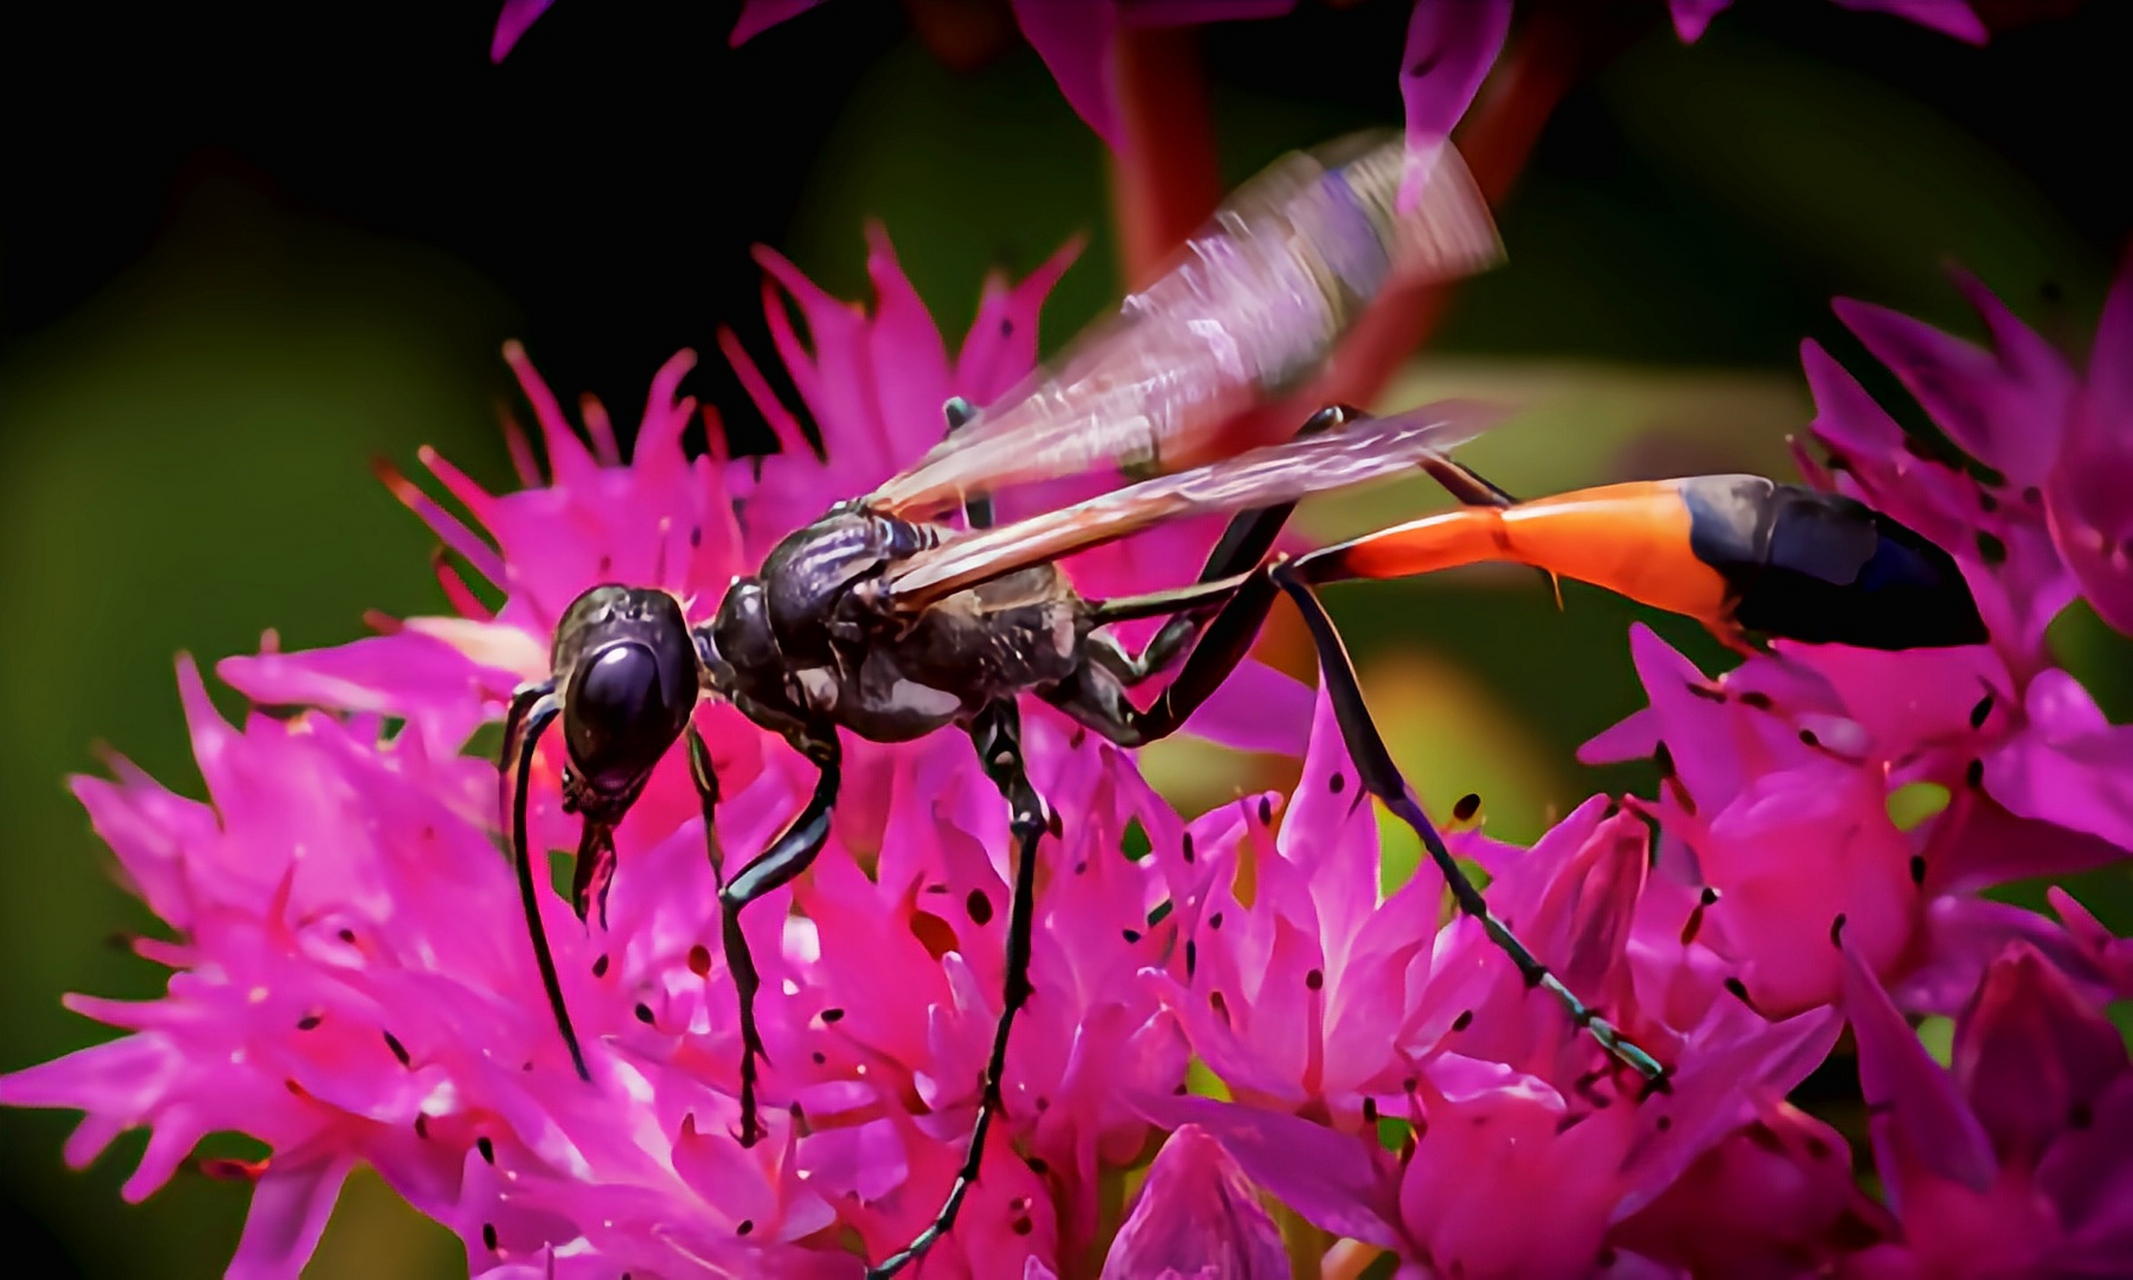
[348, 936]
[1219, 1005]
[696, 535]
[1133, 936]
[1607, 1256]
[607, 563]
[1038, 1166]
[1664, 758]
[821, 1058]
[1974, 774]
[1370, 1110]
[1315, 980]
[309, 1022]
[1918, 868]
[422, 1125]
[1185, 849]
[1663, 1123]
[979, 906]
[1982, 712]
[833, 1015]
[1215, 921]
[487, 1149]
[746, 1225]
[488, 1236]
[2033, 496]
[1709, 896]
[1023, 1226]
[1266, 812]
[1425, 64]
[392, 1042]
[1464, 1020]
[1192, 957]
[700, 960]
[1468, 805]
[1410, 1084]
[644, 1013]
[1990, 549]
[1986, 502]
[600, 967]
[1337, 783]
[1817, 1147]
[1836, 931]
[1808, 738]
[1737, 989]
[1043, 1104]
[1007, 328]
[1757, 699]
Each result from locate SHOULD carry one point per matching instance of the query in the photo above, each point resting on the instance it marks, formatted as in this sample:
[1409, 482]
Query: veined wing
[1255, 304]
[1370, 449]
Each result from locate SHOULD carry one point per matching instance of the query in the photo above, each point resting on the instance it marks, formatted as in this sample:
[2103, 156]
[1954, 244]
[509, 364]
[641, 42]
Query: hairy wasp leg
[1095, 696]
[1381, 778]
[706, 779]
[533, 709]
[1243, 544]
[790, 854]
[977, 509]
[997, 734]
[1247, 540]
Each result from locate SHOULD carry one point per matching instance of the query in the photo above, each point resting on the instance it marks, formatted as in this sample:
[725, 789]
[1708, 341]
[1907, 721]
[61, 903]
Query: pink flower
[2014, 1162]
[1777, 802]
[1451, 45]
[1514, 1113]
[2047, 517]
[1949, 17]
[353, 981]
[1197, 1219]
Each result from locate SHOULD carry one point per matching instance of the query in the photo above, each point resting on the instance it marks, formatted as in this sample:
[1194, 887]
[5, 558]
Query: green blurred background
[293, 241]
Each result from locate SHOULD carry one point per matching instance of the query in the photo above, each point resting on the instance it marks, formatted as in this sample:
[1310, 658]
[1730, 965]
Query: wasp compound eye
[622, 709]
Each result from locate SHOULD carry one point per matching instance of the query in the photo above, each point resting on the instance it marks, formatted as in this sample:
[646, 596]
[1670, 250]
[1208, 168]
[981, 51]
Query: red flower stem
[1164, 176]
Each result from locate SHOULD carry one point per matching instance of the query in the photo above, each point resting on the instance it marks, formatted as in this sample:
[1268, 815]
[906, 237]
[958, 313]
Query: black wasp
[881, 620]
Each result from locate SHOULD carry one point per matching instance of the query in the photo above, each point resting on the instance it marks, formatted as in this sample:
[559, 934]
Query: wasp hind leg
[790, 854]
[1382, 778]
[997, 734]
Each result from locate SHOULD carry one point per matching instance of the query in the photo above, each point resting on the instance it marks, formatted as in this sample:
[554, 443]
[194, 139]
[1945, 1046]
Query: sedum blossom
[1233, 995]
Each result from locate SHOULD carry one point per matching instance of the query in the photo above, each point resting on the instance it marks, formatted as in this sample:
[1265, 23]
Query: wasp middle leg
[997, 735]
[790, 854]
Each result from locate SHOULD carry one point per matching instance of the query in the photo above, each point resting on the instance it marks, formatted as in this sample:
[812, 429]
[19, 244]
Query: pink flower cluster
[1233, 994]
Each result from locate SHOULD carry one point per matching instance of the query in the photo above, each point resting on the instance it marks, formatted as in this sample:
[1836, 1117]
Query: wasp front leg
[997, 734]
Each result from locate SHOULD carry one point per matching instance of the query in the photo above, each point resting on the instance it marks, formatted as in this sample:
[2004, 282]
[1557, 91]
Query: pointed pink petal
[1949, 17]
[1002, 343]
[568, 459]
[1197, 1215]
[2006, 409]
[1075, 41]
[1692, 16]
[1256, 709]
[517, 15]
[2067, 766]
[290, 1207]
[909, 360]
[1451, 44]
[2030, 1052]
[1921, 1123]
[1327, 1177]
[758, 16]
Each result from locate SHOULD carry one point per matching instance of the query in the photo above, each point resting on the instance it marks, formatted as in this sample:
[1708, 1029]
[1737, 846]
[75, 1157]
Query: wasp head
[628, 673]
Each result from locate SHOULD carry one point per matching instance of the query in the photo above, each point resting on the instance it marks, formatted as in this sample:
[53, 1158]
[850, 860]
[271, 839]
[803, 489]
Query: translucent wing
[1363, 451]
[1255, 304]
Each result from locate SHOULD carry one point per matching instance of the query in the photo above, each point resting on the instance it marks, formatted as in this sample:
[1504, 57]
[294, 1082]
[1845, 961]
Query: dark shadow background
[245, 248]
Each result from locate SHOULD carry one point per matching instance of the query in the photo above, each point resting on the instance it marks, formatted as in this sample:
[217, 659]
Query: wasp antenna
[1555, 584]
[533, 709]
